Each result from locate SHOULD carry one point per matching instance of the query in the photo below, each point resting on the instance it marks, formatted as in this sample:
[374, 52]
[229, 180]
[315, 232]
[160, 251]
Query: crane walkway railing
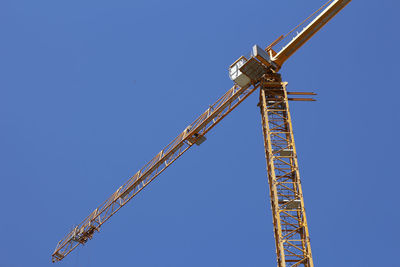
[285, 39]
[191, 135]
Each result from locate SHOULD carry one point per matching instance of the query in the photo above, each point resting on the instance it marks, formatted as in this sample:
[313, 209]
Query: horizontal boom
[311, 29]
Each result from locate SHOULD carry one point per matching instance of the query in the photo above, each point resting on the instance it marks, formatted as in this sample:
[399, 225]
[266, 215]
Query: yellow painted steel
[290, 225]
[289, 218]
[312, 28]
[195, 131]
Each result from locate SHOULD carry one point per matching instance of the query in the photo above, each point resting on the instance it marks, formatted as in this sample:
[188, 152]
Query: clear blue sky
[92, 90]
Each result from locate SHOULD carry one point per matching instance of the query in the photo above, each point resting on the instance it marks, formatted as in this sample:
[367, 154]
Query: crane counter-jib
[312, 28]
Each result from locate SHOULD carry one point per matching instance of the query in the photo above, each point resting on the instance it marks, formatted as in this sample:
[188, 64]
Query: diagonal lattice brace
[290, 225]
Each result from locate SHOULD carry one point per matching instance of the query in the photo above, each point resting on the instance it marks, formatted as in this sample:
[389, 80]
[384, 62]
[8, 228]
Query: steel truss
[287, 204]
[193, 134]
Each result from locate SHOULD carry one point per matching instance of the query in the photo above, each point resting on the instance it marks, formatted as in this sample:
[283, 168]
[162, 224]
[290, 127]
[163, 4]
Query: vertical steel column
[289, 217]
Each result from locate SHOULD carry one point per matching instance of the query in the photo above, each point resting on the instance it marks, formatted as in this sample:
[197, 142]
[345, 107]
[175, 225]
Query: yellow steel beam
[292, 238]
[312, 28]
[194, 132]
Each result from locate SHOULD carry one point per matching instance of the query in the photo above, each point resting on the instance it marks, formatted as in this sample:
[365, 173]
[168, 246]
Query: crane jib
[212, 116]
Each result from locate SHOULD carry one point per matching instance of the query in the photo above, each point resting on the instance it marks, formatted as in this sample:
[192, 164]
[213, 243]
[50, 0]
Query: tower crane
[260, 70]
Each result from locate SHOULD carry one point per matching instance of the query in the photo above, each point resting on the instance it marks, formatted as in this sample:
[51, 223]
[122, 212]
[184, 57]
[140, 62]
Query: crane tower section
[288, 213]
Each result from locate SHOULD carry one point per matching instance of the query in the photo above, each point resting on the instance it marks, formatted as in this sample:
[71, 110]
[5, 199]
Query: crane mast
[292, 238]
[259, 70]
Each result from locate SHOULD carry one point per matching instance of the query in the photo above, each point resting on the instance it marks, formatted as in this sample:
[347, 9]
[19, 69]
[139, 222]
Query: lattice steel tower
[259, 70]
[289, 217]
